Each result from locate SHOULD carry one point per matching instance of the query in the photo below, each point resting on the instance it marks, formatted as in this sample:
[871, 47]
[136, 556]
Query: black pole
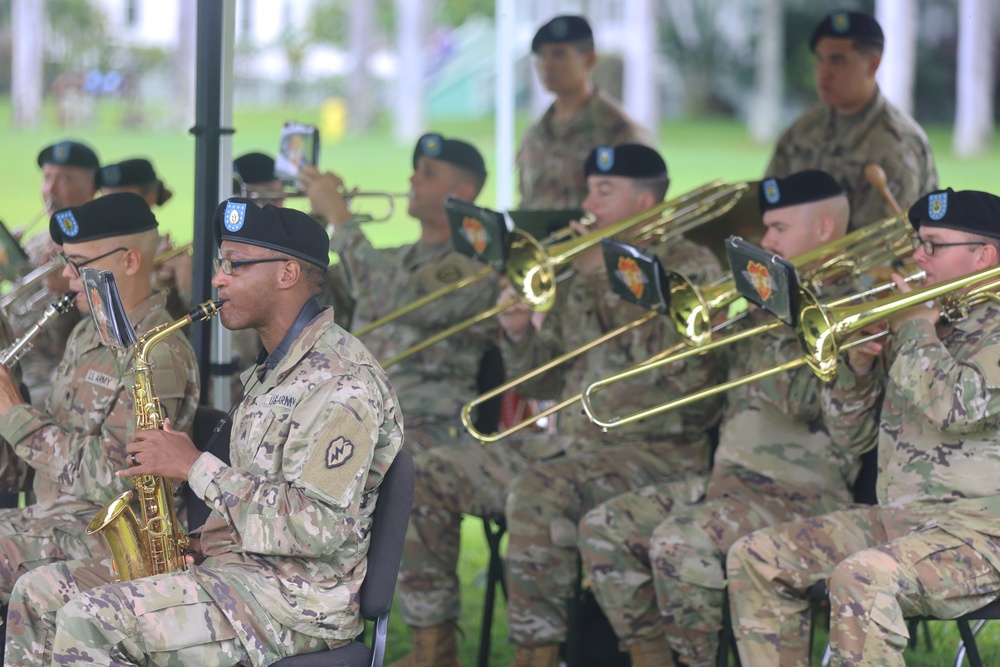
[207, 132]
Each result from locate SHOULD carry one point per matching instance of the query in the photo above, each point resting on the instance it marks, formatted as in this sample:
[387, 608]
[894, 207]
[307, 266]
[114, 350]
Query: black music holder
[765, 279]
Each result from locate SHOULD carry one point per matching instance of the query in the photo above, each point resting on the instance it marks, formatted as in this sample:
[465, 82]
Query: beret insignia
[67, 223]
[60, 152]
[771, 192]
[840, 22]
[111, 175]
[430, 145]
[937, 205]
[559, 29]
[235, 216]
[605, 158]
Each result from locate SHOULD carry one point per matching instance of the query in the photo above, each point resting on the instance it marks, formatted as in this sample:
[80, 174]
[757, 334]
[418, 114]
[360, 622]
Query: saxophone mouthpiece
[205, 310]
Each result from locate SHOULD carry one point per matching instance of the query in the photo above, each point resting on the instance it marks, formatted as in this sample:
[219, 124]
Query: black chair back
[206, 420]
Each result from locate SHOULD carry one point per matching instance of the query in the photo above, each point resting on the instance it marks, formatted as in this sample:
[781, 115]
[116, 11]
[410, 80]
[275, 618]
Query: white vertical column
[639, 62]
[505, 104]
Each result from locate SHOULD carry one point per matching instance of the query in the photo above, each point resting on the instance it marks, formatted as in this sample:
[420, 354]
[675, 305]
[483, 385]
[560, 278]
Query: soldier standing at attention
[76, 443]
[287, 542]
[656, 558]
[929, 399]
[434, 384]
[544, 485]
[856, 125]
[579, 120]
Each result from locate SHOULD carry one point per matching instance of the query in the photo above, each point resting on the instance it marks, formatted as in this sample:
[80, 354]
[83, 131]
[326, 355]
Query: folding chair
[392, 514]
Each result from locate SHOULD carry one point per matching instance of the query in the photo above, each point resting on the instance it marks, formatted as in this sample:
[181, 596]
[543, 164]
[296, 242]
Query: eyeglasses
[227, 265]
[79, 265]
[930, 246]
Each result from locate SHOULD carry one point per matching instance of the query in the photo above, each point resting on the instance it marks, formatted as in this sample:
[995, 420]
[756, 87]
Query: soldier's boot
[651, 652]
[432, 647]
[546, 655]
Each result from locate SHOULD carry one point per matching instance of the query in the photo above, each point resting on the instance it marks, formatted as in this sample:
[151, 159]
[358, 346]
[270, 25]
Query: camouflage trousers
[71, 614]
[544, 506]
[881, 566]
[426, 436]
[655, 558]
[28, 541]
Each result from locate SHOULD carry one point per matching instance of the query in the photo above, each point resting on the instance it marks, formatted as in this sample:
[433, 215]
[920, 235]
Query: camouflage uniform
[842, 145]
[552, 151]
[286, 544]
[655, 558]
[931, 544]
[545, 484]
[435, 384]
[77, 444]
[13, 470]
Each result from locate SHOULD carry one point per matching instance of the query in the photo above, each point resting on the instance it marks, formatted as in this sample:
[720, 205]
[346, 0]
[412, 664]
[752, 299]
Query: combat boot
[546, 655]
[651, 652]
[432, 647]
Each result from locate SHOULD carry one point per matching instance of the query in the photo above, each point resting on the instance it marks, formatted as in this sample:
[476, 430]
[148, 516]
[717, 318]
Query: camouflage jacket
[932, 404]
[12, 469]
[77, 444]
[586, 308]
[289, 531]
[434, 384]
[842, 145]
[774, 426]
[551, 157]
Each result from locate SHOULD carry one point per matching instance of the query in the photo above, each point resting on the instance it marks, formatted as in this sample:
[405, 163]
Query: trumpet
[661, 222]
[290, 192]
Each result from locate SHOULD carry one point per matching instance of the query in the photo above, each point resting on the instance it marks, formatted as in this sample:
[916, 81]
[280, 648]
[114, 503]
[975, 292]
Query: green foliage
[81, 28]
[456, 12]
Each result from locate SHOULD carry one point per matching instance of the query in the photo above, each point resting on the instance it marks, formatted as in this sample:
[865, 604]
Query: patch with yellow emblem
[475, 234]
[760, 278]
[631, 276]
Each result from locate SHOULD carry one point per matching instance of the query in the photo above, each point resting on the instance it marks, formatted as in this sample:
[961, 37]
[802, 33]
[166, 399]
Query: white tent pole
[505, 105]
[222, 343]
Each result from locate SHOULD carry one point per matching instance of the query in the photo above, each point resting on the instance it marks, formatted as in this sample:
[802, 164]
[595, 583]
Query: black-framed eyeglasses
[930, 246]
[79, 265]
[228, 265]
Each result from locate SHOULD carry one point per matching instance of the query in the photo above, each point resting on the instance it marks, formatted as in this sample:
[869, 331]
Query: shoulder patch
[338, 459]
[435, 276]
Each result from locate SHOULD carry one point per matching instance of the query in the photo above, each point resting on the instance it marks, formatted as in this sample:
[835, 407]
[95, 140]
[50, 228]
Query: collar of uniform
[310, 309]
[547, 118]
[847, 121]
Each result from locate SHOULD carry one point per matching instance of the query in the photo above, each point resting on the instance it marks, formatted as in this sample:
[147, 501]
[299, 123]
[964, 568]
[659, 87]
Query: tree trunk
[27, 28]
[640, 89]
[409, 87]
[898, 70]
[360, 97]
[764, 120]
[975, 84]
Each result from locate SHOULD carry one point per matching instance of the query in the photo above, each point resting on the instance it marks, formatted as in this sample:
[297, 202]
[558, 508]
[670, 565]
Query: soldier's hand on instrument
[861, 358]
[929, 310]
[10, 395]
[516, 318]
[326, 194]
[163, 453]
[193, 555]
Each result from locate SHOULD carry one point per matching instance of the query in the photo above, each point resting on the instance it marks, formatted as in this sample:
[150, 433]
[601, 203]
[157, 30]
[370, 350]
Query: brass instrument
[692, 309]
[168, 255]
[155, 545]
[349, 198]
[12, 353]
[663, 221]
[30, 290]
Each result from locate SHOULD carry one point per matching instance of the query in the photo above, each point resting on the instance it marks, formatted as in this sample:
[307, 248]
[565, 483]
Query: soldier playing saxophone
[76, 442]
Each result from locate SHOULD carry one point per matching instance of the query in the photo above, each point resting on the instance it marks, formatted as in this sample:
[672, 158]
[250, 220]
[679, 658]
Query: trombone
[349, 198]
[661, 222]
[823, 329]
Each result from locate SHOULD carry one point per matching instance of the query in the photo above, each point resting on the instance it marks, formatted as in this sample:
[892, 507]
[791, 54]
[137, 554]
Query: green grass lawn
[696, 151]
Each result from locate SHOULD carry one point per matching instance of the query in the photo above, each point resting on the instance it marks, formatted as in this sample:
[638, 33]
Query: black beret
[454, 151]
[70, 153]
[967, 211]
[254, 168]
[283, 229]
[802, 187]
[858, 26]
[628, 160]
[134, 172]
[562, 29]
[118, 214]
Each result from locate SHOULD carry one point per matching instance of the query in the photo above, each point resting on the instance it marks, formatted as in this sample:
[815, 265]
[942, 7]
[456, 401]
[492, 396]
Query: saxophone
[154, 545]
[16, 350]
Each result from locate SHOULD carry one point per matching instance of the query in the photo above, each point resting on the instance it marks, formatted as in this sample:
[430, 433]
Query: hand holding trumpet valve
[327, 195]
